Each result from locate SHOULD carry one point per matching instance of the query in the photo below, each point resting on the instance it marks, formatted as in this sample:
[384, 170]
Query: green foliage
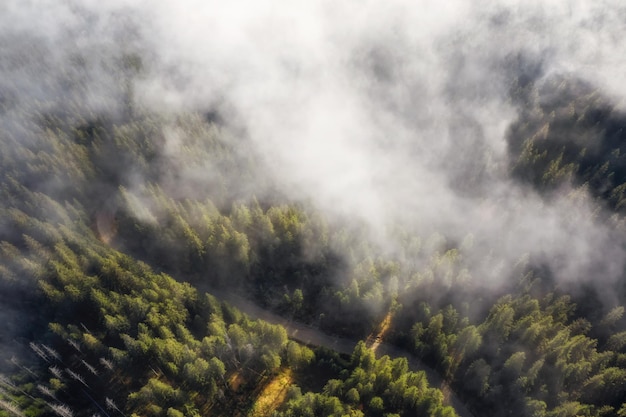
[374, 386]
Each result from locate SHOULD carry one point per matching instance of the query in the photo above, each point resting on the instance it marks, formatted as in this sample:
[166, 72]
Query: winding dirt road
[315, 337]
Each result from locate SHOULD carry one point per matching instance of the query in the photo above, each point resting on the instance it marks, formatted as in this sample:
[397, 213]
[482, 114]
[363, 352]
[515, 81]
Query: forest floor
[272, 395]
[235, 381]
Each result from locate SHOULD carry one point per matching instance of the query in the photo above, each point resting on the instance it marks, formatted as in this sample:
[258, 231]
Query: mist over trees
[435, 203]
[569, 132]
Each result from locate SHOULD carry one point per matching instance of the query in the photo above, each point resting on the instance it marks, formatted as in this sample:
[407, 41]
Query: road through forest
[315, 337]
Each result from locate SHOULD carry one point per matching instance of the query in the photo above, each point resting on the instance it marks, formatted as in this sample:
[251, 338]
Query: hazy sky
[388, 111]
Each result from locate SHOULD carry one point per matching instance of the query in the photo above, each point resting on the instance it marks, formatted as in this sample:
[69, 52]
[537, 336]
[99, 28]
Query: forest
[123, 226]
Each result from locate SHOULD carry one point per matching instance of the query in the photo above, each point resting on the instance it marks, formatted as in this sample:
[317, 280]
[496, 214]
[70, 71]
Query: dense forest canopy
[421, 208]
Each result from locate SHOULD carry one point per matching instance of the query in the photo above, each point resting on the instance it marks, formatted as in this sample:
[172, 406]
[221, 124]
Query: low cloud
[388, 112]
